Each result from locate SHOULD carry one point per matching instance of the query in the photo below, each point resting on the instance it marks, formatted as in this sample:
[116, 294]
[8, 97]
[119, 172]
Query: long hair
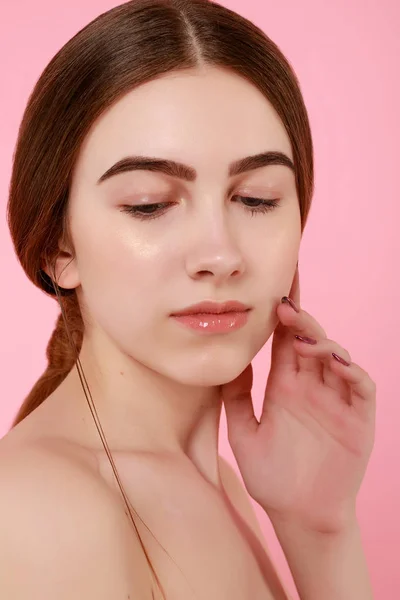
[118, 51]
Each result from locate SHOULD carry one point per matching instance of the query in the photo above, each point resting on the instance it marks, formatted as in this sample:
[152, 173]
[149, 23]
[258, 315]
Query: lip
[214, 323]
[215, 308]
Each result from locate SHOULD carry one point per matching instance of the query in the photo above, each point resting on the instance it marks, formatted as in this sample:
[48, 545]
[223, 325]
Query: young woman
[162, 179]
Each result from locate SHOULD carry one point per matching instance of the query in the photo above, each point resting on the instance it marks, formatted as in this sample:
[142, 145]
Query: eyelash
[264, 207]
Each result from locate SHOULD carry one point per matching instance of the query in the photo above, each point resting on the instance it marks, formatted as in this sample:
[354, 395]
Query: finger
[283, 355]
[352, 382]
[322, 351]
[362, 387]
[304, 325]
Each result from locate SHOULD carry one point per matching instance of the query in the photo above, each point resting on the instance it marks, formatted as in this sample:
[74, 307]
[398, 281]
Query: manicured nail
[341, 360]
[307, 340]
[290, 302]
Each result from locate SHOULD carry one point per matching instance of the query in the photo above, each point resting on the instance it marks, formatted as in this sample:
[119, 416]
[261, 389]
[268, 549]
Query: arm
[328, 566]
[240, 499]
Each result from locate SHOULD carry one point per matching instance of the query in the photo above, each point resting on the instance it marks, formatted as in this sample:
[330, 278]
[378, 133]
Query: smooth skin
[327, 410]
[156, 385]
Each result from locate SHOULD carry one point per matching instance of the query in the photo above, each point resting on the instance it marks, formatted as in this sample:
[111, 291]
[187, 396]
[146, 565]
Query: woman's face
[203, 243]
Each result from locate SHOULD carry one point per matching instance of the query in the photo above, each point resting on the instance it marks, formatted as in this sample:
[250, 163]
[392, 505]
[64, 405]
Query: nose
[214, 250]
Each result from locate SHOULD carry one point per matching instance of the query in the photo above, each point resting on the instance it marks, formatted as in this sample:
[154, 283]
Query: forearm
[328, 566]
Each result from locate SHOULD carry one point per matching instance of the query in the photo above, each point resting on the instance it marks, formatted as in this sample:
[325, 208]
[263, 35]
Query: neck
[141, 410]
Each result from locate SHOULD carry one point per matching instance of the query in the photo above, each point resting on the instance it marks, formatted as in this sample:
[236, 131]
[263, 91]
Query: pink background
[346, 55]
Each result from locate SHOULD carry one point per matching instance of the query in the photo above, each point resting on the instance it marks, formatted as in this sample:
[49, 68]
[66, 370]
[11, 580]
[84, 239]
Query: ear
[63, 268]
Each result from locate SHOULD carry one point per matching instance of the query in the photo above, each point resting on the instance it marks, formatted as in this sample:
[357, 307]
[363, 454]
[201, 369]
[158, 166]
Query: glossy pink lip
[214, 308]
[214, 317]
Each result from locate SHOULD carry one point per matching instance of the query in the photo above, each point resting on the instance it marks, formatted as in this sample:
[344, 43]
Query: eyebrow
[187, 173]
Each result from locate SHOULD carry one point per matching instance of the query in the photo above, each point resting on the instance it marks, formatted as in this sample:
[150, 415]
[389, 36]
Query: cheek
[276, 249]
[274, 258]
[112, 252]
[120, 278]
[283, 263]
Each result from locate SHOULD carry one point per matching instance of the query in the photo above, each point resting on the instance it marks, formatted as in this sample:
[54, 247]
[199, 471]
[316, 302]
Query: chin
[212, 370]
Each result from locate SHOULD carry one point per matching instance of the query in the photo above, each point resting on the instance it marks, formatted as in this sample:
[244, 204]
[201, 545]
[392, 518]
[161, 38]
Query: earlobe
[62, 270]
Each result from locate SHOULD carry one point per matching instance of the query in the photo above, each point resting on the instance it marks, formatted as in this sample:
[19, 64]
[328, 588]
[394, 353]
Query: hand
[304, 461]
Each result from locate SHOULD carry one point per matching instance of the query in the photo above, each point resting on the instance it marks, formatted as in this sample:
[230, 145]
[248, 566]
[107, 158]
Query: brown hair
[119, 50]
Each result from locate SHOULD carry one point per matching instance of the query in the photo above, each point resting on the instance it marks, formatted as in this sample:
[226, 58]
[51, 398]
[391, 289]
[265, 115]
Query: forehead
[209, 118]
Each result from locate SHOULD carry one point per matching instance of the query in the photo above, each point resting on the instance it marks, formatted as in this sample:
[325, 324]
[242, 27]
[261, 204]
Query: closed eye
[259, 205]
[146, 212]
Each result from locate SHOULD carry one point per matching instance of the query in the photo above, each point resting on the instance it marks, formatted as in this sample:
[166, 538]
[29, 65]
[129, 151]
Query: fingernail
[289, 301]
[307, 340]
[341, 360]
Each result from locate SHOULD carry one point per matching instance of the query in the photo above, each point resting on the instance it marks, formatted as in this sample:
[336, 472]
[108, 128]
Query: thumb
[241, 420]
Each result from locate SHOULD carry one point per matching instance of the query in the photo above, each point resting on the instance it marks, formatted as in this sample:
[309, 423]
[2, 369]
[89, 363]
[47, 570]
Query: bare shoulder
[62, 533]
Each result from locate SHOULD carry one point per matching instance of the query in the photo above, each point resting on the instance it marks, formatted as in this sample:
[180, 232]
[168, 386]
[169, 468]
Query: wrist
[331, 565]
[289, 533]
[318, 528]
